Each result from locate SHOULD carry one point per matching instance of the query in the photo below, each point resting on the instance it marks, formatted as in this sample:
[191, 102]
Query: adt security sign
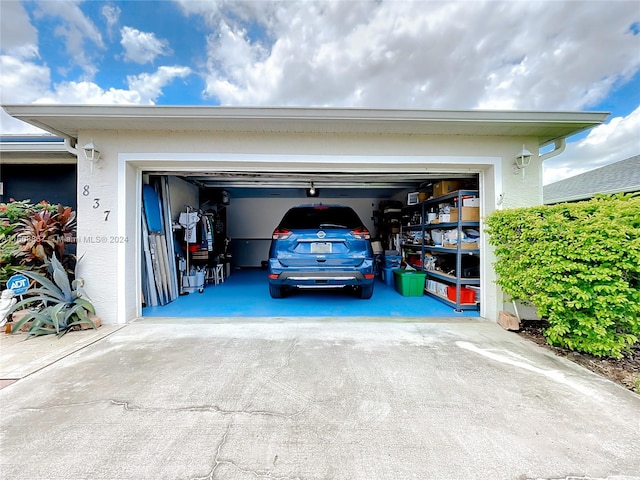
[19, 284]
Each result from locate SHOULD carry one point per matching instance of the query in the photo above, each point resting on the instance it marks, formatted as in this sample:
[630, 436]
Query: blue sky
[542, 55]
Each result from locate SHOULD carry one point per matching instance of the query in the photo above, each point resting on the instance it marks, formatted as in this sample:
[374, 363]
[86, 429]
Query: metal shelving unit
[458, 251]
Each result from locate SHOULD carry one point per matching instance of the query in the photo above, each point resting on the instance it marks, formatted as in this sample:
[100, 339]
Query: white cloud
[149, 86]
[143, 89]
[520, 55]
[28, 83]
[18, 37]
[21, 80]
[141, 47]
[616, 140]
[25, 81]
[76, 29]
[111, 14]
[432, 55]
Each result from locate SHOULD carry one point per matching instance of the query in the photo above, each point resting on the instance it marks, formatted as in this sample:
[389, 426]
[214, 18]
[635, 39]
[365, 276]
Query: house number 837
[96, 201]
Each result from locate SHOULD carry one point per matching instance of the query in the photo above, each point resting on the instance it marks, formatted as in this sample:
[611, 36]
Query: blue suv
[321, 246]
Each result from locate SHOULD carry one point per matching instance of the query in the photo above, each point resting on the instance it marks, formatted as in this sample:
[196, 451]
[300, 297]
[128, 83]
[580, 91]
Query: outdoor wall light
[312, 191]
[91, 153]
[523, 160]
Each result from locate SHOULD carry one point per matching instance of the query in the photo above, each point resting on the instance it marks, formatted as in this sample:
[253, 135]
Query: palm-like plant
[58, 306]
[37, 236]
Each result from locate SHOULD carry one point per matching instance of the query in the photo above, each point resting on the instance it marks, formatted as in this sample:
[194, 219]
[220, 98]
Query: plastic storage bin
[387, 276]
[392, 261]
[466, 294]
[409, 283]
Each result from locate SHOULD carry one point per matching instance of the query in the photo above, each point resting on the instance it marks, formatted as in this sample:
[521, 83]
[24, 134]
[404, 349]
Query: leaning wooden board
[155, 229]
[168, 235]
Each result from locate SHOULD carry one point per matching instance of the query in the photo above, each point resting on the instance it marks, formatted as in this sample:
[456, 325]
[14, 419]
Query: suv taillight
[280, 234]
[361, 233]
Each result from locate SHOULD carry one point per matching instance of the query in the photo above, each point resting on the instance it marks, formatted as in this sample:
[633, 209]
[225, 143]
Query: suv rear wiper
[332, 225]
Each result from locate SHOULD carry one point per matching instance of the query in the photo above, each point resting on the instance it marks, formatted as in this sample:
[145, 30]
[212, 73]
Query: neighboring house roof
[67, 120]
[34, 148]
[619, 177]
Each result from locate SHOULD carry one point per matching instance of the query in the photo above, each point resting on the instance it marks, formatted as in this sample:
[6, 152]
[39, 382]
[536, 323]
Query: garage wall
[257, 217]
[182, 193]
[124, 152]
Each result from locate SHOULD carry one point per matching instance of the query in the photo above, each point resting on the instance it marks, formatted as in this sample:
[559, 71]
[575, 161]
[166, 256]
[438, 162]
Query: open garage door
[223, 223]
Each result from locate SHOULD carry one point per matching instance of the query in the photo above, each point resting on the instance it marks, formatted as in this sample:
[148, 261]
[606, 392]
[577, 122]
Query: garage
[266, 158]
[225, 221]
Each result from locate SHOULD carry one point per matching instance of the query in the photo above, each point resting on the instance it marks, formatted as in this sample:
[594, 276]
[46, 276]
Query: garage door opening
[207, 255]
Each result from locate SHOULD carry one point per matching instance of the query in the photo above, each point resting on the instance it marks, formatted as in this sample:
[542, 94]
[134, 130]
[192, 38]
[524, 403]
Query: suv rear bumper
[321, 278]
[364, 275]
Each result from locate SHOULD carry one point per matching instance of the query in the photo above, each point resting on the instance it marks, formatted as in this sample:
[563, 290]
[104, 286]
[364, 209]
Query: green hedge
[579, 265]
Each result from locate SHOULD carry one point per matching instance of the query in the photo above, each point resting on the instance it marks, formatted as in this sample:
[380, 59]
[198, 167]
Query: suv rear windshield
[320, 216]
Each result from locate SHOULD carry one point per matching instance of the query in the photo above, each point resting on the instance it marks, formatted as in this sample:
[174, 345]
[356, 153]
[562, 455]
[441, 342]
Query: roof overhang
[25, 149]
[68, 120]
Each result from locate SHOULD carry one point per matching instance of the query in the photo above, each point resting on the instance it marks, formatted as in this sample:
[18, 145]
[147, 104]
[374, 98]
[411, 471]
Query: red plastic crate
[466, 294]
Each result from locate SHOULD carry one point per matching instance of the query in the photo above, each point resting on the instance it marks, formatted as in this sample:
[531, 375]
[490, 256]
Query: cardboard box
[469, 214]
[444, 218]
[470, 202]
[465, 245]
[445, 186]
[96, 321]
[508, 321]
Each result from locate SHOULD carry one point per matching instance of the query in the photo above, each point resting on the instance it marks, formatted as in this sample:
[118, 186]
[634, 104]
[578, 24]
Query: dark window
[320, 216]
[50, 182]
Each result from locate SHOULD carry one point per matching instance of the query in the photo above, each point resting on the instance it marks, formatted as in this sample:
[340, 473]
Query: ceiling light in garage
[312, 191]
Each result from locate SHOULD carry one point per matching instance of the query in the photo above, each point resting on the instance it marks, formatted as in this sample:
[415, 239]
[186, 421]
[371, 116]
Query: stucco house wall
[138, 139]
[109, 242]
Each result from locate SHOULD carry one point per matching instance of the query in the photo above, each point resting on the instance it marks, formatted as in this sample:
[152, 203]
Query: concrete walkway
[316, 400]
[21, 356]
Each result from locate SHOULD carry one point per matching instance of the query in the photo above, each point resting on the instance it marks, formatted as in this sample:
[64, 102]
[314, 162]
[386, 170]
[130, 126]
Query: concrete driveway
[317, 400]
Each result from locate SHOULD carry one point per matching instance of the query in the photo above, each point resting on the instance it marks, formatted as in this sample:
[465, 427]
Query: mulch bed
[624, 371]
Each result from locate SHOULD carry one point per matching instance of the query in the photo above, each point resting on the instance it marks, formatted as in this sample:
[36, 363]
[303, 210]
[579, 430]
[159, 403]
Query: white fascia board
[68, 120]
[299, 113]
[35, 146]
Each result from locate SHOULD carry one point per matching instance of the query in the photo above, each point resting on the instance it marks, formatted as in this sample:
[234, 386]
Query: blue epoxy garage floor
[245, 293]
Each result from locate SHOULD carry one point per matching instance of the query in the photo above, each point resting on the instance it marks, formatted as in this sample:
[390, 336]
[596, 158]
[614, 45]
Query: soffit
[24, 149]
[68, 120]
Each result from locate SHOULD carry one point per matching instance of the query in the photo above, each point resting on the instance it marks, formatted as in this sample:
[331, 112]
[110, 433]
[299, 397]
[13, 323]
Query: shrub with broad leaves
[32, 233]
[57, 306]
[579, 265]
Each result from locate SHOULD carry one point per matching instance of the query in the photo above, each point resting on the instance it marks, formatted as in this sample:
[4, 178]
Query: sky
[453, 55]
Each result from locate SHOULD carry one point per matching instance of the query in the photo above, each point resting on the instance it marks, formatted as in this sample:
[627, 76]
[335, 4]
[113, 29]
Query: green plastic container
[409, 283]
